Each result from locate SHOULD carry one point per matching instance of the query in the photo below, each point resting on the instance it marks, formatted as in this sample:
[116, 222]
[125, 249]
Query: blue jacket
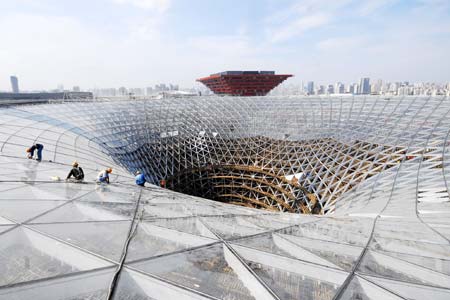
[140, 179]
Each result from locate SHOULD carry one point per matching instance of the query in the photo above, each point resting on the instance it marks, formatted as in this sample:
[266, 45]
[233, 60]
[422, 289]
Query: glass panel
[87, 286]
[103, 238]
[292, 279]
[152, 240]
[23, 210]
[204, 269]
[412, 291]
[227, 227]
[360, 289]
[386, 266]
[189, 225]
[81, 211]
[26, 255]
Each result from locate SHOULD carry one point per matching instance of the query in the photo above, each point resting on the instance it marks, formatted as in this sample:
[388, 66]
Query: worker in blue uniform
[140, 178]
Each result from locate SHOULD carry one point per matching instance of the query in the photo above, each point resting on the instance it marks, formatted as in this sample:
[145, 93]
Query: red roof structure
[243, 83]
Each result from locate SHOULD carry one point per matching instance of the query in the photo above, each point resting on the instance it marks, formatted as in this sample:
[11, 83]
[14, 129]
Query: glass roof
[387, 237]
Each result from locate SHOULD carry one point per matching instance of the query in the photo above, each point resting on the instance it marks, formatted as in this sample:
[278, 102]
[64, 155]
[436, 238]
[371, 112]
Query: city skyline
[152, 41]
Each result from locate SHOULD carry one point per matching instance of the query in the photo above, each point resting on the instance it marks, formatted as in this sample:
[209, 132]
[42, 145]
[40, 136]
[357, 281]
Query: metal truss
[376, 168]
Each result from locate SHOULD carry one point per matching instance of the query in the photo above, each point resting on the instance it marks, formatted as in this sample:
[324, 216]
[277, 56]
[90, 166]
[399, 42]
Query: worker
[76, 172]
[140, 178]
[162, 183]
[103, 176]
[38, 148]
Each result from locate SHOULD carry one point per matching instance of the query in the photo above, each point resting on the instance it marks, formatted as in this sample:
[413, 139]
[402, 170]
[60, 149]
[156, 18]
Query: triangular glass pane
[382, 265]
[4, 221]
[228, 228]
[189, 225]
[124, 210]
[78, 212]
[360, 289]
[165, 210]
[150, 240]
[433, 263]
[23, 210]
[103, 238]
[58, 190]
[342, 255]
[106, 195]
[128, 288]
[412, 291]
[204, 269]
[87, 286]
[349, 231]
[292, 279]
[137, 286]
[27, 255]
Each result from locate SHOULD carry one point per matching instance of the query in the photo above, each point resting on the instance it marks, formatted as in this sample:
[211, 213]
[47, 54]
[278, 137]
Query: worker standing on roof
[103, 176]
[140, 178]
[76, 172]
[38, 148]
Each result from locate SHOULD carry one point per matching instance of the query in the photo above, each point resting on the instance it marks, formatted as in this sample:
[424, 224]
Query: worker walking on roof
[76, 172]
[38, 148]
[103, 176]
[140, 178]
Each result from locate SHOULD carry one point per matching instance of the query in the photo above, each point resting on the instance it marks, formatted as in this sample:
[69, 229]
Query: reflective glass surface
[379, 173]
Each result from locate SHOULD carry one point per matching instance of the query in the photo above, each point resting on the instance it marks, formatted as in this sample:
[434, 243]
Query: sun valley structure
[290, 198]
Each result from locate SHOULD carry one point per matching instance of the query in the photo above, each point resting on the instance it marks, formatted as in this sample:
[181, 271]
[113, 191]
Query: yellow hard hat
[109, 170]
[75, 164]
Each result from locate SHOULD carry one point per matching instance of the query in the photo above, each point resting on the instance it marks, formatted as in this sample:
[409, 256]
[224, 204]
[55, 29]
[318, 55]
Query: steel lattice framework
[376, 168]
[246, 150]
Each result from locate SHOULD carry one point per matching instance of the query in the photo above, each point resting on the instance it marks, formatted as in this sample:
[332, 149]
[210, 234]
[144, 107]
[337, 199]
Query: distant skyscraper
[14, 84]
[321, 90]
[364, 86]
[339, 88]
[310, 88]
[330, 89]
[76, 89]
[123, 91]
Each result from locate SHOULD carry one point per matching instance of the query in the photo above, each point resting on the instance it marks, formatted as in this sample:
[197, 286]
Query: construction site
[246, 198]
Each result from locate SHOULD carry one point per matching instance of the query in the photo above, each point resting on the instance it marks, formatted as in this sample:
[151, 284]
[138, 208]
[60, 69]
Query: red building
[243, 83]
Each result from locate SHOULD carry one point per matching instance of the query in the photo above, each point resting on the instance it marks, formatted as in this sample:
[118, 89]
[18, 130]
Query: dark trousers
[39, 152]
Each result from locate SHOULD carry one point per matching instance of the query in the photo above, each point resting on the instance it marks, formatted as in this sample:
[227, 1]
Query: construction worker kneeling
[103, 176]
[76, 172]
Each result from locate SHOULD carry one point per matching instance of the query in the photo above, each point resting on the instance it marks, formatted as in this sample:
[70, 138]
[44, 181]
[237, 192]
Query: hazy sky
[138, 43]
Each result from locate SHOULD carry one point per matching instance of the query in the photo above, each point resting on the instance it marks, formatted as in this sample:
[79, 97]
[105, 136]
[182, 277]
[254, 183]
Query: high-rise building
[136, 91]
[364, 86]
[321, 90]
[310, 88]
[355, 88]
[14, 84]
[76, 88]
[161, 87]
[123, 91]
[330, 89]
[339, 88]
